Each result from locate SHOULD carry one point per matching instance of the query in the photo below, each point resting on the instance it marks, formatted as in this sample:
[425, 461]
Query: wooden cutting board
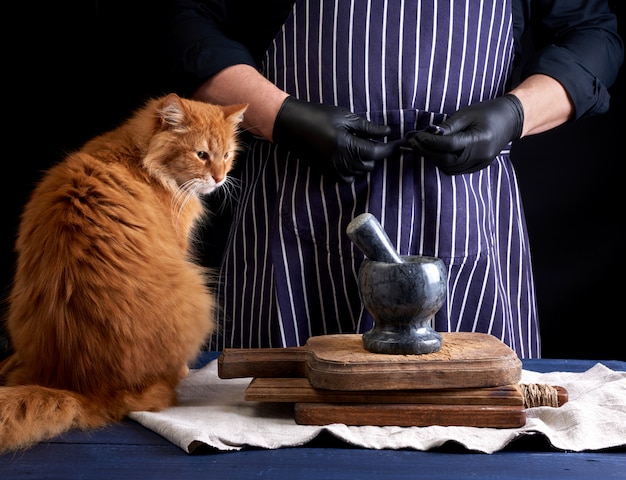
[410, 415]
[340, 362]
[472, 381]
[494, 407]
[299, 390]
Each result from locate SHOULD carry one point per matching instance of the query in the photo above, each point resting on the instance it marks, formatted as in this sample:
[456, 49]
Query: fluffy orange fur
[108, 304]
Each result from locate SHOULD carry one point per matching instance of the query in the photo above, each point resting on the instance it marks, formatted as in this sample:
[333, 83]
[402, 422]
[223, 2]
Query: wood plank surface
[262, 362]
[299, 390]
[527, 457]
[410, 415]
[465, 360]
[340, 362]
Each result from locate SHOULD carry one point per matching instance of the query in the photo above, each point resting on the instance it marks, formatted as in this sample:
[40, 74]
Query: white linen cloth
[212, 412]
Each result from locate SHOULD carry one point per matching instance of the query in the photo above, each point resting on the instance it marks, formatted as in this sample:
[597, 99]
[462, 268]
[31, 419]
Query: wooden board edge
[299, 390]
[262, 362]
[409, 415]
[427, 378]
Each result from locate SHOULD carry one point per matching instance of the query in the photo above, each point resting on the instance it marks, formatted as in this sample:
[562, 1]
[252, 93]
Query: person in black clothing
[405, 110]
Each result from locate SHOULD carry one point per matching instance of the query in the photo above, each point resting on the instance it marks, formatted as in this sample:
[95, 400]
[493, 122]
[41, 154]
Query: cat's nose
[218, 178]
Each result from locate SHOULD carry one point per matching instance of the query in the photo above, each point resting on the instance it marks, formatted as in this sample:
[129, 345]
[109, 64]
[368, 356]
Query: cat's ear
[172, 111]
[235, 112]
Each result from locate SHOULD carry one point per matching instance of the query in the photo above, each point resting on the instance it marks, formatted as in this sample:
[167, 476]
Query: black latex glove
[332, 139]
[471, 138]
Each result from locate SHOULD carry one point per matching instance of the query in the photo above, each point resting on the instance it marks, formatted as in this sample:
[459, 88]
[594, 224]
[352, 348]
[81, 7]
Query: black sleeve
[577, 43]
[206, 36]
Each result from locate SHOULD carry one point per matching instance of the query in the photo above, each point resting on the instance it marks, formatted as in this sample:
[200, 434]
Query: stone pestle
[367, 233]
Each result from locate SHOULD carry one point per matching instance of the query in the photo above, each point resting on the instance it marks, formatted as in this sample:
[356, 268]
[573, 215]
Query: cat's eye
[226, 156]
[202, 155]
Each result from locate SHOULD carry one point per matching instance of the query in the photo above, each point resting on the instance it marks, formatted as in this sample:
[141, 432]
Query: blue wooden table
[130, 451]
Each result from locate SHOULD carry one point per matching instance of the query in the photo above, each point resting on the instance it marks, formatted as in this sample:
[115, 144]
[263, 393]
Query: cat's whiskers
[228, 192]
[181, 197]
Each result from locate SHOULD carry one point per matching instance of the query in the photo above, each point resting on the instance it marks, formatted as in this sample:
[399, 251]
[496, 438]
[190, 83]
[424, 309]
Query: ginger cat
[108, 305]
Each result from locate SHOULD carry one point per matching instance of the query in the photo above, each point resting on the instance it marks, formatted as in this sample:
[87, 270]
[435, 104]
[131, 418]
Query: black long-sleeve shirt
[574, 41]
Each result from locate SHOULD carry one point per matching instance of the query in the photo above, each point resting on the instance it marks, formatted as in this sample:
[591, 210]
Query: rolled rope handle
[542, 395]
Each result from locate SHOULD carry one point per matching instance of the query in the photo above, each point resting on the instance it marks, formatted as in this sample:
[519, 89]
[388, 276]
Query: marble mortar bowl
[403, 298]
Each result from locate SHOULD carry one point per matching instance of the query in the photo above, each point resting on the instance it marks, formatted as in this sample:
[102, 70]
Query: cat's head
[194, 143]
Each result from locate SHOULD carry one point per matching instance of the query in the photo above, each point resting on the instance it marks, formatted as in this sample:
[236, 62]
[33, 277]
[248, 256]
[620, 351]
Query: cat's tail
[30, 414]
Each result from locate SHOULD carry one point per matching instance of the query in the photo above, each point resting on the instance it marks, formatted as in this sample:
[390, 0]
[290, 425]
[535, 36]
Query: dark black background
[75, 69]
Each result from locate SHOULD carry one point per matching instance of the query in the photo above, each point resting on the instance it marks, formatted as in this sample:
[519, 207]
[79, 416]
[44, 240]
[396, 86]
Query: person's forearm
[244, 84]
[546, 104]
[545, 101]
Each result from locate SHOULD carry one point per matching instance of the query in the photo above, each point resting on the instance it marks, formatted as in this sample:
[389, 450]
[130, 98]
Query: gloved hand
[471, 138]
[332, 139]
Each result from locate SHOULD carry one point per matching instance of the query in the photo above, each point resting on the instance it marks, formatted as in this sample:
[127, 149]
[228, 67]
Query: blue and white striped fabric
[290, 271]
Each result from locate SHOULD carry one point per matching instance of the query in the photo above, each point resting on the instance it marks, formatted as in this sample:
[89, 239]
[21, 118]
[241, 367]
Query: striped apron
[289, 270]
